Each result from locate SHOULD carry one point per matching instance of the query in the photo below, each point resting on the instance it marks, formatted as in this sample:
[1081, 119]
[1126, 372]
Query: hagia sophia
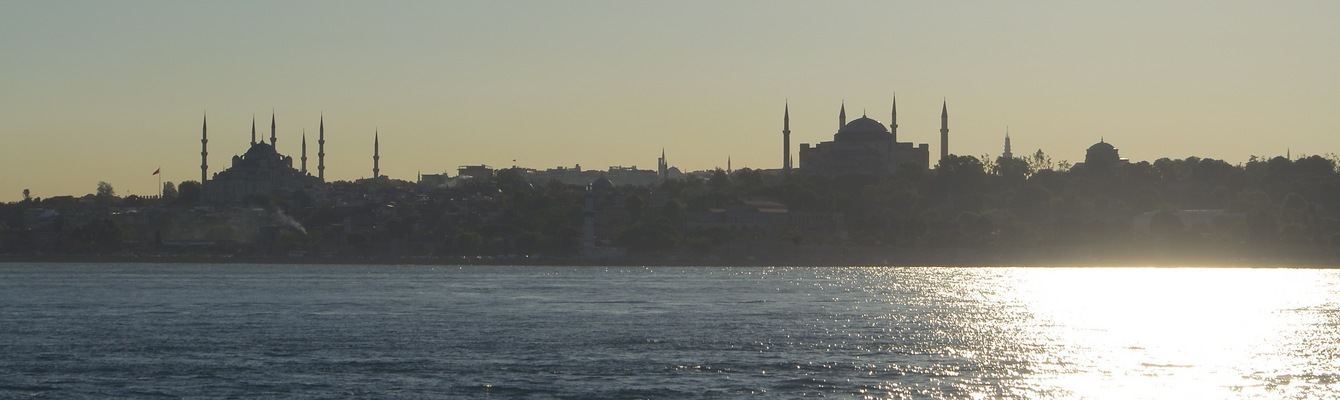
[863, 145]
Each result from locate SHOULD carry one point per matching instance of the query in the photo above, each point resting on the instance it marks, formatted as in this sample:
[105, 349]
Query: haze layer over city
[114, 91]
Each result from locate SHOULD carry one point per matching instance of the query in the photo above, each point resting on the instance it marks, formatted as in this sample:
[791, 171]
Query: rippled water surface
[292, 331]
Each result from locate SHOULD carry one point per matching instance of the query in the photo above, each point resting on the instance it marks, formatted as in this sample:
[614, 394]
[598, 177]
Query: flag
[160, 169]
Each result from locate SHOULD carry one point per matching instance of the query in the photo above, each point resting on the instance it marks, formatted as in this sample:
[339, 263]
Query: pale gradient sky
[109, 91]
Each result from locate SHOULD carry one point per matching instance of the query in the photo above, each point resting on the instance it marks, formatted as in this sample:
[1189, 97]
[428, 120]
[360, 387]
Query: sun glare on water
[1174, 333]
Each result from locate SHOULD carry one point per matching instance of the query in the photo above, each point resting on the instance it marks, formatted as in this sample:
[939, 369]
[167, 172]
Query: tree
[1013, 169]
[960, 174]
[1040, 161]
[105, 192]
[169, 192]
[188, 192]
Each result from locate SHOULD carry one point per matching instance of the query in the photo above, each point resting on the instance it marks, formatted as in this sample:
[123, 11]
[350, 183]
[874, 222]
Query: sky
[110, 91]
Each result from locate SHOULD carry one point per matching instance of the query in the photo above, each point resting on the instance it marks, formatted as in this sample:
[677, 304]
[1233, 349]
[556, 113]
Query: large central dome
[862, 129]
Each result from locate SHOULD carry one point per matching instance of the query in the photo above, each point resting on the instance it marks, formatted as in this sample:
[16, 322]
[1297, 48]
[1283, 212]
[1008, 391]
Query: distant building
[435, 180]
[619, 175]
[1101, 156]
[480, 172]
[261, 171]
[863, 145]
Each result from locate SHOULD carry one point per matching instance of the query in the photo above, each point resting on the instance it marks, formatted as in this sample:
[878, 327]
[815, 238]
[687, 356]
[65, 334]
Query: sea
[231, 331]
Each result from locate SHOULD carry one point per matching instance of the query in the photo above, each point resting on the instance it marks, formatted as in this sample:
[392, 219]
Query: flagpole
[160, 182]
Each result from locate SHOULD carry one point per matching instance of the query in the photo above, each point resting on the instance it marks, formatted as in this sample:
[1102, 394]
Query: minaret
[253, 128]
[893, 119]
[321, 151]
[786, 137]
[376, 157]
[944, 131]
[304, 151]
[728, 170]
[842, 116]
[662, 167]
[1007, 153]
[204, 154]
[272, 130]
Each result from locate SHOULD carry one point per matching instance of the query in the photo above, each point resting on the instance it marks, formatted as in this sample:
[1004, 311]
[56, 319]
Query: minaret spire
[272, 129]
[304, 151]
[376, 154]
[893, 119]
[321, 150]
[842, 115]
[662, 168]
[944, 131]
[204, 153]
[786, 137]
[253, 128]
[1008, 153]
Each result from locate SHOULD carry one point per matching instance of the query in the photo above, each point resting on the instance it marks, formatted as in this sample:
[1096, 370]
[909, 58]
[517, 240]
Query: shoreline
[947, 260]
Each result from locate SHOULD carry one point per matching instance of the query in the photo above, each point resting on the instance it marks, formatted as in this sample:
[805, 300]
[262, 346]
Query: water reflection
[1136, 333]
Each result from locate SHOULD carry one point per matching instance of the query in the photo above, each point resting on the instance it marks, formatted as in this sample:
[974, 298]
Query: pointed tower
[893, 119]
[253, 128]
[1007, 153]
[321, 150]
[662, 167]
[304, 151]
[786, 137]
[842, 115]
[944, 131]
[204, 153]
[376, 154]
[272, 130]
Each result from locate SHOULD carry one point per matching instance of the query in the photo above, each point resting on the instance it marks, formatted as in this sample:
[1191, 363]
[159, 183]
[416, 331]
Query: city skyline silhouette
[102, 92]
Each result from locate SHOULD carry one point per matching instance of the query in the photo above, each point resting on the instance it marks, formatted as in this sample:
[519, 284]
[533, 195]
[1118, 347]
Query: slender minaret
[728, 170]
[272, 130]
[304, 151]
[204, 153]
[786, 137]
[1007, 153]
[893, 119]
[376, 157]
[662, 167]
[589, 223]
[253, 128]
[944, 131]
[842, 115]
[321, 151]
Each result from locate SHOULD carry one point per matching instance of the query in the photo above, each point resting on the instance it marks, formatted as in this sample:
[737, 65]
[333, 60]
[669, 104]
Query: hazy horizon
[112, 91]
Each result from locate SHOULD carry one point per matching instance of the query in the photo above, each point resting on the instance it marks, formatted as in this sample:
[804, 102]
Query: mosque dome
[260, 150]
[1102, 146]
[862, 128]
[602, 184]
[1102, 153]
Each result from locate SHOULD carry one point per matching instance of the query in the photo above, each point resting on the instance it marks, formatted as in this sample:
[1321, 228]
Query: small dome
[602, 184]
